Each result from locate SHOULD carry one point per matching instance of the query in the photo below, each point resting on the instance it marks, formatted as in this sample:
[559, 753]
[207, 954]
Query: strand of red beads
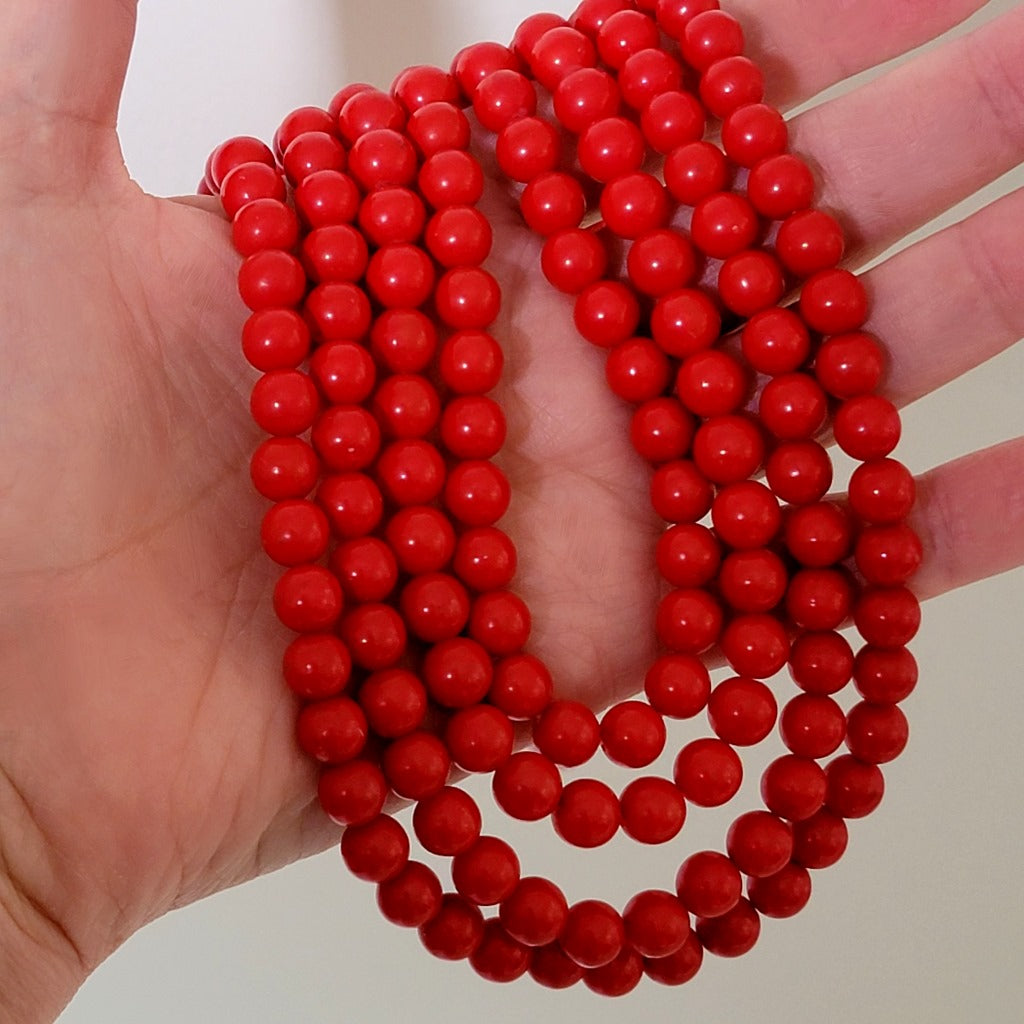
[363, 250]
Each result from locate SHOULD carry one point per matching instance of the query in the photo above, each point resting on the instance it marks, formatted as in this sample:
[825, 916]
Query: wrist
[40, 967]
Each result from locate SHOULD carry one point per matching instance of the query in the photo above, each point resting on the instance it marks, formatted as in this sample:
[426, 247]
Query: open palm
[147, 755]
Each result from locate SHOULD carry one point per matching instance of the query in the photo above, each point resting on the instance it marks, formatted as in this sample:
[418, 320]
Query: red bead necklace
[370, 309]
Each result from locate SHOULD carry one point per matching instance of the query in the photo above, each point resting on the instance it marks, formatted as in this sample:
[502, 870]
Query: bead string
[363, 263]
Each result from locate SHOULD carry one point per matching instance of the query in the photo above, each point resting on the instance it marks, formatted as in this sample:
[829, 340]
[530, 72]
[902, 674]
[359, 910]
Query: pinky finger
[970, 517]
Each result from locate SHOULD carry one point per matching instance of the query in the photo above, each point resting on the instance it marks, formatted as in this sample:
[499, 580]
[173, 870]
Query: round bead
[746, 515]
[623, 34]
[472, 64]
[632, 734]
[308, 599]
[264, 224]
[450, 177]
[723, 224]
[606, 313]
[410, 898]
[783, 894]
[887, 617]
[695, 171]
[855, 789]
[353, 504]
[422, 84]
[820, 841]
[812, 725]
[688, 555]
[637, 370]
[709, 884]
[487, 872]
[754, 133]
[522, 688]
[685, 322]
[733, 933]
[672, 119]
[567, 732]
[799, 472]
[882, 491]
[710, 36]
[610, 148]
[634, 204]
[819, 598]
[500, 621]
[593, 934]
[375, 635]
[678, 685]
[885, 676]
[332, 731]
[377, 850]
[647, 74]
[688, 621]
[793, 787]
[584, 97]
[499, 957]
[456, 931]
[834, 302]
[317, 665]
[749, 282]
[485, 558]
[730, 83]
[294, 532]
[708, 772]
[682, 965]
[528, 787]
[438, 126]
[458, 672]
[558, 53]
[394, 702]
[741, 711]
[808, 242]
[793, 407]
[275, 339]
[652, 809]
[479, 738]
[779, 186]
[354, 794]
[728, 449]
[711, 383]
[551, 968]
[867, 427]
[680, 493]
[502, 97]
[849, 365]
[535, 912]
[759, 844]
[416, 765]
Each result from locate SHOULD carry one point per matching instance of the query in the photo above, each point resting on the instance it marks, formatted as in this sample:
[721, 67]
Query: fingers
[952, 301]
[64, 59]
[805, 47]
[970, 517]
[902, 149]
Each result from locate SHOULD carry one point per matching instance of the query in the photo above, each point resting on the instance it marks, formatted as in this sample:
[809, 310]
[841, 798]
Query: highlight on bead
[364, 258]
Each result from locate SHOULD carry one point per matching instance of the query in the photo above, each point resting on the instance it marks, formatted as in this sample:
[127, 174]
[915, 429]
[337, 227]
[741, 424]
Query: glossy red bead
[818, 535]
[284, 467]
[472, 64]
[499, 957]
[652, 810]
[681, 966]
[849, 365]
[411, 472]
[248, 183]
[755, 645]
[708, 772]
[855, 789]
[759, 843]
[271, 279]
[688, 555]
[753, 580]
[606, 313]
[567, 732]
[327, 197]
[332, 731]
[750, 282]
[688, 621]
[456, 931]
[338, 311]
[559, 52]
[300, 122]
[264, 224]
[746, 515]
[793, 407]
[275, 339]
[819, 599]
[410, 898]
[632, 734]
[528, 786]
[724, 224]
[448, 822]
[742, 711]
[754, 133]
[436, 127]
[392, 215]
[623, 34]
[794, 787]
[783, 894]
[812, 725]
[637, 370]
[680, 493]
[672, 119]
[435, 607]
[728, 449]
[353, 504]
[685, 322]
[377, 850]
[882, 491]
[799, 472]
[573, 259]
[477, 493]
[708, 884]
[779, 186]
[867, 427]
[522, 688]
[421, 538]
[450, 177]
[470, 362]
[485, 558]
[369, 110]
[317, 665]
[233, 153]
[347, 437]
[417, 86]
[479, 738]
[647, 74]
[502, 97]
[610, 148]
[730, 83]
[308, 599]
[354, 794]
[416, 765]
[885, 676]
[634, 204]
[695, 171]
[594, 933]
[295, 532]
[487, 872]
[458, 672]
[394, 701]
[500, 621]
[375, 635]
[535, 912]
[834, 302]
[406, 405]
[678, 685]
[311, 152]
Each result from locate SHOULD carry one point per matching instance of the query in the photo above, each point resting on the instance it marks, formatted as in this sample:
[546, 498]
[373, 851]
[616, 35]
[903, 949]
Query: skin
[147, 756]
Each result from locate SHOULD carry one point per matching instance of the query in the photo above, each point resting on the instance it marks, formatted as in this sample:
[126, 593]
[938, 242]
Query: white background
[922, 921]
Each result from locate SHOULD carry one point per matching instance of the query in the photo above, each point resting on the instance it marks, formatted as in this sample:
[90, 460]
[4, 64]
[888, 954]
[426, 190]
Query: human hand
[140, 650]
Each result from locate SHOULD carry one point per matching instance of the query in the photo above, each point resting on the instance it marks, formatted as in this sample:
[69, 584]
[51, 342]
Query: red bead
[775, 341]
[746, 515]
[487, 872]
[646, 75]
[332, 731]
[410, 898]
[403, 340]
[406, 405]
[724, 224]
[301, 122]
[317, 665]
[855, 789]
[685, 322]
[307, 599]
[672, 119]
[436, 127]
[311, 152]
[535, 912]
[392, 215]
[394, 701]
[567, 732]
[834, 302]
[470, 362]
[882, 491]
[849, 365]
[422, 539]
[680, 493]
[327, 197]
[485, 558]
[500, 621]
[793, 407]
[551, 968]
[682, 965]
[688, 555]
[593, 934]
[354, 794]
[819, 841]
[558, 53]
[885, 676]
[812, 725]
[634, 204]
[342, 97]
[799, 472]
[573, 259]
[617, 978]
[249, 182]
[695, 171]
[610, 148]
[709, 773]
[779, 186]
[284, 467]
[675, 15]
[742, 711]
[369, 110]
[818, 535]
[459, 236]
[755, 645]
[522, 688]
[366, 569]
[661, 261]
[375, 635]
[416, 765]
[752, 580]
[553, 202]
[584, 97]
[606, 313]
[759, 844]
[708, 884]
[499, 957]
[335, 253]
[275, 339]
[821, 662]
[271, 279]
[637, 370]
[479, 738]
[472, 64]
[451, 177]
[233, 153]
[652, 810]
[733, 933]
[527, 786]
[819, 599]
[688, 621]
[417, 86]
[435, 607]
[264, 224]
[623, 34]
[632, 734]
[466, 298]
[754, 133]
[809, 242]
[709, 37]
[353, 504]
[793, 787]
[531, 29]
[347, 437]
[728, 449]
[400, 276]
[338, 311]
[502, 97]
[294, 532]
[473, 427]
[477, 493]
[731, 83]
[590, 15]
[411, 472]
[456, 931]
[887, 617]
[867, 427]
[750, 282]
[377, 850]
[458, 672]
[678, 685]
[783, 894]
[448, 822]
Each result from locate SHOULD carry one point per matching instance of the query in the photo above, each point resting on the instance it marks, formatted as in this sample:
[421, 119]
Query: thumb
[63, 62]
